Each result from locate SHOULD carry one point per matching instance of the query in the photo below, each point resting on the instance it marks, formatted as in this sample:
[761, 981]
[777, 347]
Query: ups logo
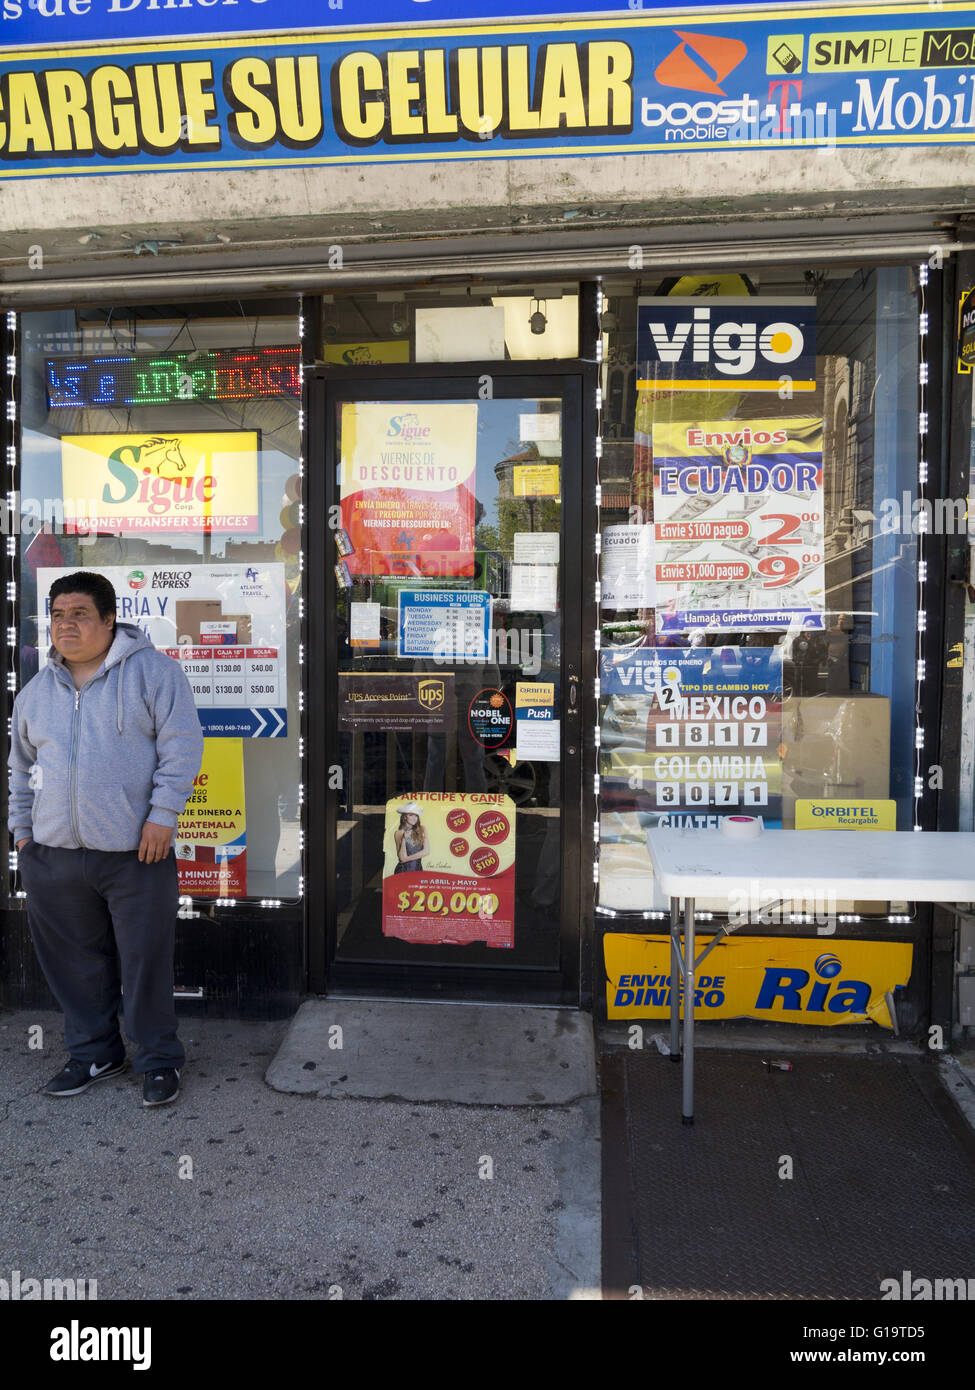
[431, 694]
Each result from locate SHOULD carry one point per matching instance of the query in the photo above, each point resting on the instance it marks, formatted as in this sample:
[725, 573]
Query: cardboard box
[190, 613]
[837, 747]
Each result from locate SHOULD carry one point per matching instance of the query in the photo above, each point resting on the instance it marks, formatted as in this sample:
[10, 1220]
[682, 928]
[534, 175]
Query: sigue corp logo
[681, 69]
[406, 428]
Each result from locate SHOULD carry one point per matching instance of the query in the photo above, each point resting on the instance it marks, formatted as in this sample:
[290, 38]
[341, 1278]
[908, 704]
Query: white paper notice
[626, 569]
[364, 624]
[533, 428]
[539, 741]
[537, 547]
[534, 588]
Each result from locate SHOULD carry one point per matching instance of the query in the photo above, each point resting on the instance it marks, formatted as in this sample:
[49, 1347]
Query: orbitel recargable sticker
[823, 78]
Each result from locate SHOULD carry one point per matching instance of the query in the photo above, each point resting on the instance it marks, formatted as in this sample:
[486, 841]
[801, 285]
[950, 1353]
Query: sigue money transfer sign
[827, 77]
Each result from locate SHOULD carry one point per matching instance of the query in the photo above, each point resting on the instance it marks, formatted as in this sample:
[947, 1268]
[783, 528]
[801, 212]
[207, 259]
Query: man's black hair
[96, 586]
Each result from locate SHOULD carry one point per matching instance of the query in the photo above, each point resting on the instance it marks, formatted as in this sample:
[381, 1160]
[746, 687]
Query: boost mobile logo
[680, 69]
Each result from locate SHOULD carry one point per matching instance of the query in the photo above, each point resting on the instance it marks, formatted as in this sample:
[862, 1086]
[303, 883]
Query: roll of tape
[742, 827]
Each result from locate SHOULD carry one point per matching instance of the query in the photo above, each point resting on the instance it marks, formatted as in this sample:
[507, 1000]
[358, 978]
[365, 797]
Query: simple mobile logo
[749, 344]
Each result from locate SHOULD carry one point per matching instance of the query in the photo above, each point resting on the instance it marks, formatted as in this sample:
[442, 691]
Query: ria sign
[685, 344]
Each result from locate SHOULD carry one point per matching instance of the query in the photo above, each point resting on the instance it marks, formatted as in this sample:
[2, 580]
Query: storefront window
[161, 448]
[484, 323]
[758, 558]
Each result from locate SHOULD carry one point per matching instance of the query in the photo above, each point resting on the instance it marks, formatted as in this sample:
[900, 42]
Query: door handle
[573, 695]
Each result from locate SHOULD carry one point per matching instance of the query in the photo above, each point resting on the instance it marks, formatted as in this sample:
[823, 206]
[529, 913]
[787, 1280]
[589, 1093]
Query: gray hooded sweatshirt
[88, 767]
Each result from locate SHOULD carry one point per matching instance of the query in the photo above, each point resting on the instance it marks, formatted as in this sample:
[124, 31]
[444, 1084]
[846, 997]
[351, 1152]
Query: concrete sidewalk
[291, 1196]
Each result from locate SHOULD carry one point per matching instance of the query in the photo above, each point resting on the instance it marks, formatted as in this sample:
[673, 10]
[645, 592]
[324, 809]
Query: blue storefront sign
[823, 78]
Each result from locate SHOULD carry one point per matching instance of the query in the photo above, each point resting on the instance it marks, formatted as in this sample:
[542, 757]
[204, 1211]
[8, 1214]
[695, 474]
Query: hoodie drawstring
[121, 673]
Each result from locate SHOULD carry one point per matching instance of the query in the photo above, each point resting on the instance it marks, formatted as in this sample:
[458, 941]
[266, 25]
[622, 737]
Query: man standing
[105, 746]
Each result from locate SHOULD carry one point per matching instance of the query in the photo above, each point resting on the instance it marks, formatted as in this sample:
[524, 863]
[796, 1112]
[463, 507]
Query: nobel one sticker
[490, 718]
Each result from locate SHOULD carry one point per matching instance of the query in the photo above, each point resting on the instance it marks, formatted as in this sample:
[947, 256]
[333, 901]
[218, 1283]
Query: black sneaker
[77, 1076]
[160, 1087]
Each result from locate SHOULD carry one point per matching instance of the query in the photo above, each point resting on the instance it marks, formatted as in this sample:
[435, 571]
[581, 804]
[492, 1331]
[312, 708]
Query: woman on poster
[411, 840]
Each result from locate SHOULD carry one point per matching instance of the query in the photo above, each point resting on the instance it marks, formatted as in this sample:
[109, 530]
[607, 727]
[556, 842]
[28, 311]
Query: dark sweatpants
[99, 919]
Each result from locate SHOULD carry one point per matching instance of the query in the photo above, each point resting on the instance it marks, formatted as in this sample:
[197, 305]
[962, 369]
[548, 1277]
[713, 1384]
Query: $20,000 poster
[449, 871]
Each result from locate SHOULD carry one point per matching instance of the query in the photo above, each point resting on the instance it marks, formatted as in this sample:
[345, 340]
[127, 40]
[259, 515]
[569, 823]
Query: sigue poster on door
[738, 509]
[449, 871]
[407, 478]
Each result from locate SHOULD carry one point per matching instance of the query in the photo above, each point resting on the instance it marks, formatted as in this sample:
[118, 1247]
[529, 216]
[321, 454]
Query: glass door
[454, 712]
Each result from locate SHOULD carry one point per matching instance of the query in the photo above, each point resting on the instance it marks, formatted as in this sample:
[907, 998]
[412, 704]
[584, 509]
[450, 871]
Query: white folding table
[902, 865]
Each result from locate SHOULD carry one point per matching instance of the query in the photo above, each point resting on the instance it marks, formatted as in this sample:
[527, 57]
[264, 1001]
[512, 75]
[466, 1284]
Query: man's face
[77, 631]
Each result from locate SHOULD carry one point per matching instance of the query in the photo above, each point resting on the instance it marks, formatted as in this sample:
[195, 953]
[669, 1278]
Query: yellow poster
[160, 483]
[536, 480]
[449, 869]
[790, 979]
[367, 354]
[211, 838]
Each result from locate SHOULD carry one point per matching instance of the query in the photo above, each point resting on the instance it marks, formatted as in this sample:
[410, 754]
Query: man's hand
[155, 842]
[21, 843]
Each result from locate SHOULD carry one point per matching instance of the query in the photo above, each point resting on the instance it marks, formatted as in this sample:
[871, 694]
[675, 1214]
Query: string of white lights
[922, 564]
[12, 413]
[306, 366]
[598, 589]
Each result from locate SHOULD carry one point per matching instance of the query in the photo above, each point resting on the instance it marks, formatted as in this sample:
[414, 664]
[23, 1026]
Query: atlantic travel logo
[700, 62]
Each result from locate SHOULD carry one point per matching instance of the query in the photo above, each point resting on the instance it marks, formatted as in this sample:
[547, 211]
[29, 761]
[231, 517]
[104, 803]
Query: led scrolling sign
[226, 374]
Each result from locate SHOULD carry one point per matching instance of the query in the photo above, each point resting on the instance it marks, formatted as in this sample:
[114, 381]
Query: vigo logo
[750, 341]
[679, 68]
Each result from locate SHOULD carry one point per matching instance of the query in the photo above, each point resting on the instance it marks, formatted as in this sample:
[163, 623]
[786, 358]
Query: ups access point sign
[686, 344]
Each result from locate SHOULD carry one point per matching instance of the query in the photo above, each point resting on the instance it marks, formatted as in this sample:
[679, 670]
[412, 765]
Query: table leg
[687, 1075]
[675, 977]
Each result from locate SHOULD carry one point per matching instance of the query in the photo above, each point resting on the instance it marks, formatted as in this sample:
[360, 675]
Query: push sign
[684, 344]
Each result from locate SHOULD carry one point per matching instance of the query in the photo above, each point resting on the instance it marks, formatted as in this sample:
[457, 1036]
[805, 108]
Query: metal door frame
[575, 382]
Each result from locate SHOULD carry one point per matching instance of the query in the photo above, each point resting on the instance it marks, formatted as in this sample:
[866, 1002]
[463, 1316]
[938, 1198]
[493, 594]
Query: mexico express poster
[224, 624]
[449, 868]
[694, 735]
[738, 512]
[407, 478]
